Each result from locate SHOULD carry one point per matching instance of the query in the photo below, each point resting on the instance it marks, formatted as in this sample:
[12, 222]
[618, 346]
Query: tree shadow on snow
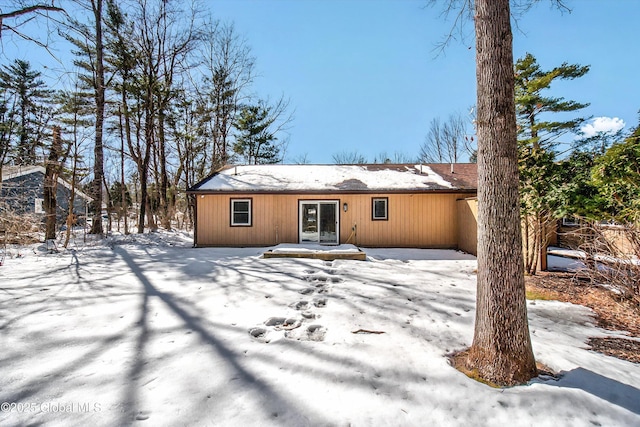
[605, 388]
[272, 401]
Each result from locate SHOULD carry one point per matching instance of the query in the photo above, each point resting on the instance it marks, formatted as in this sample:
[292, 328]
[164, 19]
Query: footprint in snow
[259, 334]
[290, 324]
[317, 278]
[300, 305]
[275, 321]
[310, 333]
[320, 302]
[307, 291]
[324, 279]
[283, 323]
[310, 315]
[322, 289]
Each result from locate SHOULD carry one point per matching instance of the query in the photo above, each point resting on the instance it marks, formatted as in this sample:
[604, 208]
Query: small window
[380, 209]
[240, 212]
[569, 221]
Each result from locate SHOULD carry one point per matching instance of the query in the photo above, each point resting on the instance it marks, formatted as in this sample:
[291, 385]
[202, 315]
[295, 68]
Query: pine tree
[88, 39]
[26, 103]
[537, 139]
[616, 175]
[255, 141]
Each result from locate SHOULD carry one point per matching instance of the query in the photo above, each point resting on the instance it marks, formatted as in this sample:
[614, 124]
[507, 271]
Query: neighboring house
[379, 205]
[22, 192]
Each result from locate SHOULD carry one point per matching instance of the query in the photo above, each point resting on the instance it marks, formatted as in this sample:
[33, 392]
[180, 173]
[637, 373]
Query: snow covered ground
[145, 330]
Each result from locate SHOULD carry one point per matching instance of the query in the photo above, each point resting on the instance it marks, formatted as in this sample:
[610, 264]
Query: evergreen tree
[576, 195]
[115, 197]
[26, 104]
[537, 139]
[88, 39]
[255, 141]
[616, 175]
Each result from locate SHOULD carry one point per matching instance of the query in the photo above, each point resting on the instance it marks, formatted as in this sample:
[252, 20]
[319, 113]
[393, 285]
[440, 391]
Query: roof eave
[334, 191]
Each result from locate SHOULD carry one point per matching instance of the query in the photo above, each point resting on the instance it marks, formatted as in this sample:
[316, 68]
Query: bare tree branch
[30, 9]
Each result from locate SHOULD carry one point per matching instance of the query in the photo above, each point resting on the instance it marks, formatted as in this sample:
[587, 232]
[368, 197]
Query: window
[569, 221]
[241, 212]
[380, 211]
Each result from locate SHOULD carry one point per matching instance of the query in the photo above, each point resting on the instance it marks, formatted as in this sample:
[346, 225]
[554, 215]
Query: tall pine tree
[256, 142]
[26, 98]
[538, 136]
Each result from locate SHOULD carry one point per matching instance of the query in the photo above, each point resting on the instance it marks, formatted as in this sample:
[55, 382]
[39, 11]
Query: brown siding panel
[415, 220]
[468, 225]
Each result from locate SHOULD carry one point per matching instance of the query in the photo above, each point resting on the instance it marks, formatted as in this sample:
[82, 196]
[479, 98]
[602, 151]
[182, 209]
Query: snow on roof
[291, 178]
[13, 172]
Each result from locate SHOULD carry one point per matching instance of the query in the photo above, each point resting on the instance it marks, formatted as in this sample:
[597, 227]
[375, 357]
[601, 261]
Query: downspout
[194, 206]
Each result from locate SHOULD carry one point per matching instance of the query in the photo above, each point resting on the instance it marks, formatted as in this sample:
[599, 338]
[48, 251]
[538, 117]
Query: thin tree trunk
[124, 207]
[98, 166]
[501, 351]
[52, 172]
[72, 196]
[164, 180]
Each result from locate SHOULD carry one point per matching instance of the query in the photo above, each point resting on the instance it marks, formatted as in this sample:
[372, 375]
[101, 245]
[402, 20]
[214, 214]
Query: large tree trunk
[501, 351]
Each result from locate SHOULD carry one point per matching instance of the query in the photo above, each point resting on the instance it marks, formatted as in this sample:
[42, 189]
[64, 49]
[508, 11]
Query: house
[22, 192]
[379, 205]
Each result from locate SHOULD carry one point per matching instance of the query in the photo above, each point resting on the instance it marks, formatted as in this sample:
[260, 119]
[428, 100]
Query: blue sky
[363, 75]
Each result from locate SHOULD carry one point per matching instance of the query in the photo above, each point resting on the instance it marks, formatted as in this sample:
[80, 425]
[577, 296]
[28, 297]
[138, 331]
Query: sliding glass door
[319, 222]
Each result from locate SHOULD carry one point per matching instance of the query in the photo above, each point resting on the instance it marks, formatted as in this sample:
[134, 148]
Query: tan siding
[415, 220]
[468, 225]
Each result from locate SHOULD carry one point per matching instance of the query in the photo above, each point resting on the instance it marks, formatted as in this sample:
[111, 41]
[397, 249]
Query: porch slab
[314, 251]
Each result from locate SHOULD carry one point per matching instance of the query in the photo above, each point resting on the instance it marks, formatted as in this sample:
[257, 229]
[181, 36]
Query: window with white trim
[241, 212]
[380, 208]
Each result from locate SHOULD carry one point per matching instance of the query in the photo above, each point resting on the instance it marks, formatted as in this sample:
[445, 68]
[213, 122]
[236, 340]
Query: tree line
[159, 97]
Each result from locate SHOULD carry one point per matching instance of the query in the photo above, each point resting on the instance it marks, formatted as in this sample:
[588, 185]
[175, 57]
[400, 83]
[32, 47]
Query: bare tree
[174, 43]
[302, 159]
[229, 70]
[349, 158]
[397, 157]
[74, 115]
[446, 142]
